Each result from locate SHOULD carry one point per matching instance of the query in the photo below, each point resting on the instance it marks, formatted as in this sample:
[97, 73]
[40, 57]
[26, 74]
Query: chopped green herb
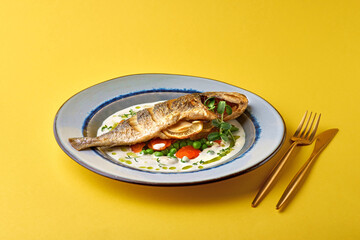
[132, 112]
[196, 163]
[225, 151]
[159, 163]
[210, 152]
[106, 127]
[128, 115]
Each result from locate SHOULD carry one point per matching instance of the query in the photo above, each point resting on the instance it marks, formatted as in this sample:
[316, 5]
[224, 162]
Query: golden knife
[322, 140]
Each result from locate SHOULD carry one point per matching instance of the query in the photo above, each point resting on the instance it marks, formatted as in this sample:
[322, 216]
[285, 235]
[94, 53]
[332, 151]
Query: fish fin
[79, 143]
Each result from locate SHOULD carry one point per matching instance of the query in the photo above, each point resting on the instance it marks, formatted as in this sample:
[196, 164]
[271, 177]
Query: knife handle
[272, 176]
[295, 182]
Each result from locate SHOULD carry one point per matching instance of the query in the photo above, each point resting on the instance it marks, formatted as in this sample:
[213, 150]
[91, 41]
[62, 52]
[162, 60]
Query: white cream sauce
[207, 158]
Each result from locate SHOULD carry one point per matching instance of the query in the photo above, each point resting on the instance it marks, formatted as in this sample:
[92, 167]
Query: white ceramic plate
[83, 113]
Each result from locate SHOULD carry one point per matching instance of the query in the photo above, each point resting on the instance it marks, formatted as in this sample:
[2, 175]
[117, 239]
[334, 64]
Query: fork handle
[295, 182]
[272, 176]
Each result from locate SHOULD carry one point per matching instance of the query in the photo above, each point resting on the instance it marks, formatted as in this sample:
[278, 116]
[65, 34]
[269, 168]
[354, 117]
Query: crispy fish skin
[148, 123]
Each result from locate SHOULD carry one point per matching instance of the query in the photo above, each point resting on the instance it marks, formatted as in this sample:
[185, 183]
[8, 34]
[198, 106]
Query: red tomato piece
[188, 151]
[137, 147]
[158, 144]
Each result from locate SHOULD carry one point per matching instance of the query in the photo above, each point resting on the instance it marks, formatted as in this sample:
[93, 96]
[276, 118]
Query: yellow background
[298, 55]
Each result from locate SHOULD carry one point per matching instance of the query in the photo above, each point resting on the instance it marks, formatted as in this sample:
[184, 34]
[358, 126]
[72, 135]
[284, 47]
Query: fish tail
[81, 143]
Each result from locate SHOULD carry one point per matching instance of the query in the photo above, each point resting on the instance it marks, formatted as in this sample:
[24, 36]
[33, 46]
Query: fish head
[236, 101]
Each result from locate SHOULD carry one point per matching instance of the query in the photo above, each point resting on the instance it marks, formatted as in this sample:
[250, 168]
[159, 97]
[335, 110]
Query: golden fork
[322, 140]
[304, 135]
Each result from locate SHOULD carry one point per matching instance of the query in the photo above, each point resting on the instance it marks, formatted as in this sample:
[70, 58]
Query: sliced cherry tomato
[137, 147]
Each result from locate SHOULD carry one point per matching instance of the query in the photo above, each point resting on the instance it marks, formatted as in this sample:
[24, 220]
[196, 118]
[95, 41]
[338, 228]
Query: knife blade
[322, 140]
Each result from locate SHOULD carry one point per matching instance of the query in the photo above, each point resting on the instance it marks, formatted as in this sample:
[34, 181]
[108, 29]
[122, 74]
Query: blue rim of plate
[86, 117]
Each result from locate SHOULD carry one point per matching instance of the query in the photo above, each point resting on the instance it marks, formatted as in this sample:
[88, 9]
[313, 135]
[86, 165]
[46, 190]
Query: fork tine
[307, 123]
[301, 124]
[315, 128]
[312, 123]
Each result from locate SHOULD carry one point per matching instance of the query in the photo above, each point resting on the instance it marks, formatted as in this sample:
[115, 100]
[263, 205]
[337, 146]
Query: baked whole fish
[165, 118]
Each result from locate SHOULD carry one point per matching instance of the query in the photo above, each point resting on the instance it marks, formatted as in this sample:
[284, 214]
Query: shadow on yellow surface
[245, 185]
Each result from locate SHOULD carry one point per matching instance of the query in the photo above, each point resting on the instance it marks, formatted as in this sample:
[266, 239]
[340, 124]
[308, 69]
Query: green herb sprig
[210, 103]
[225, 129]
